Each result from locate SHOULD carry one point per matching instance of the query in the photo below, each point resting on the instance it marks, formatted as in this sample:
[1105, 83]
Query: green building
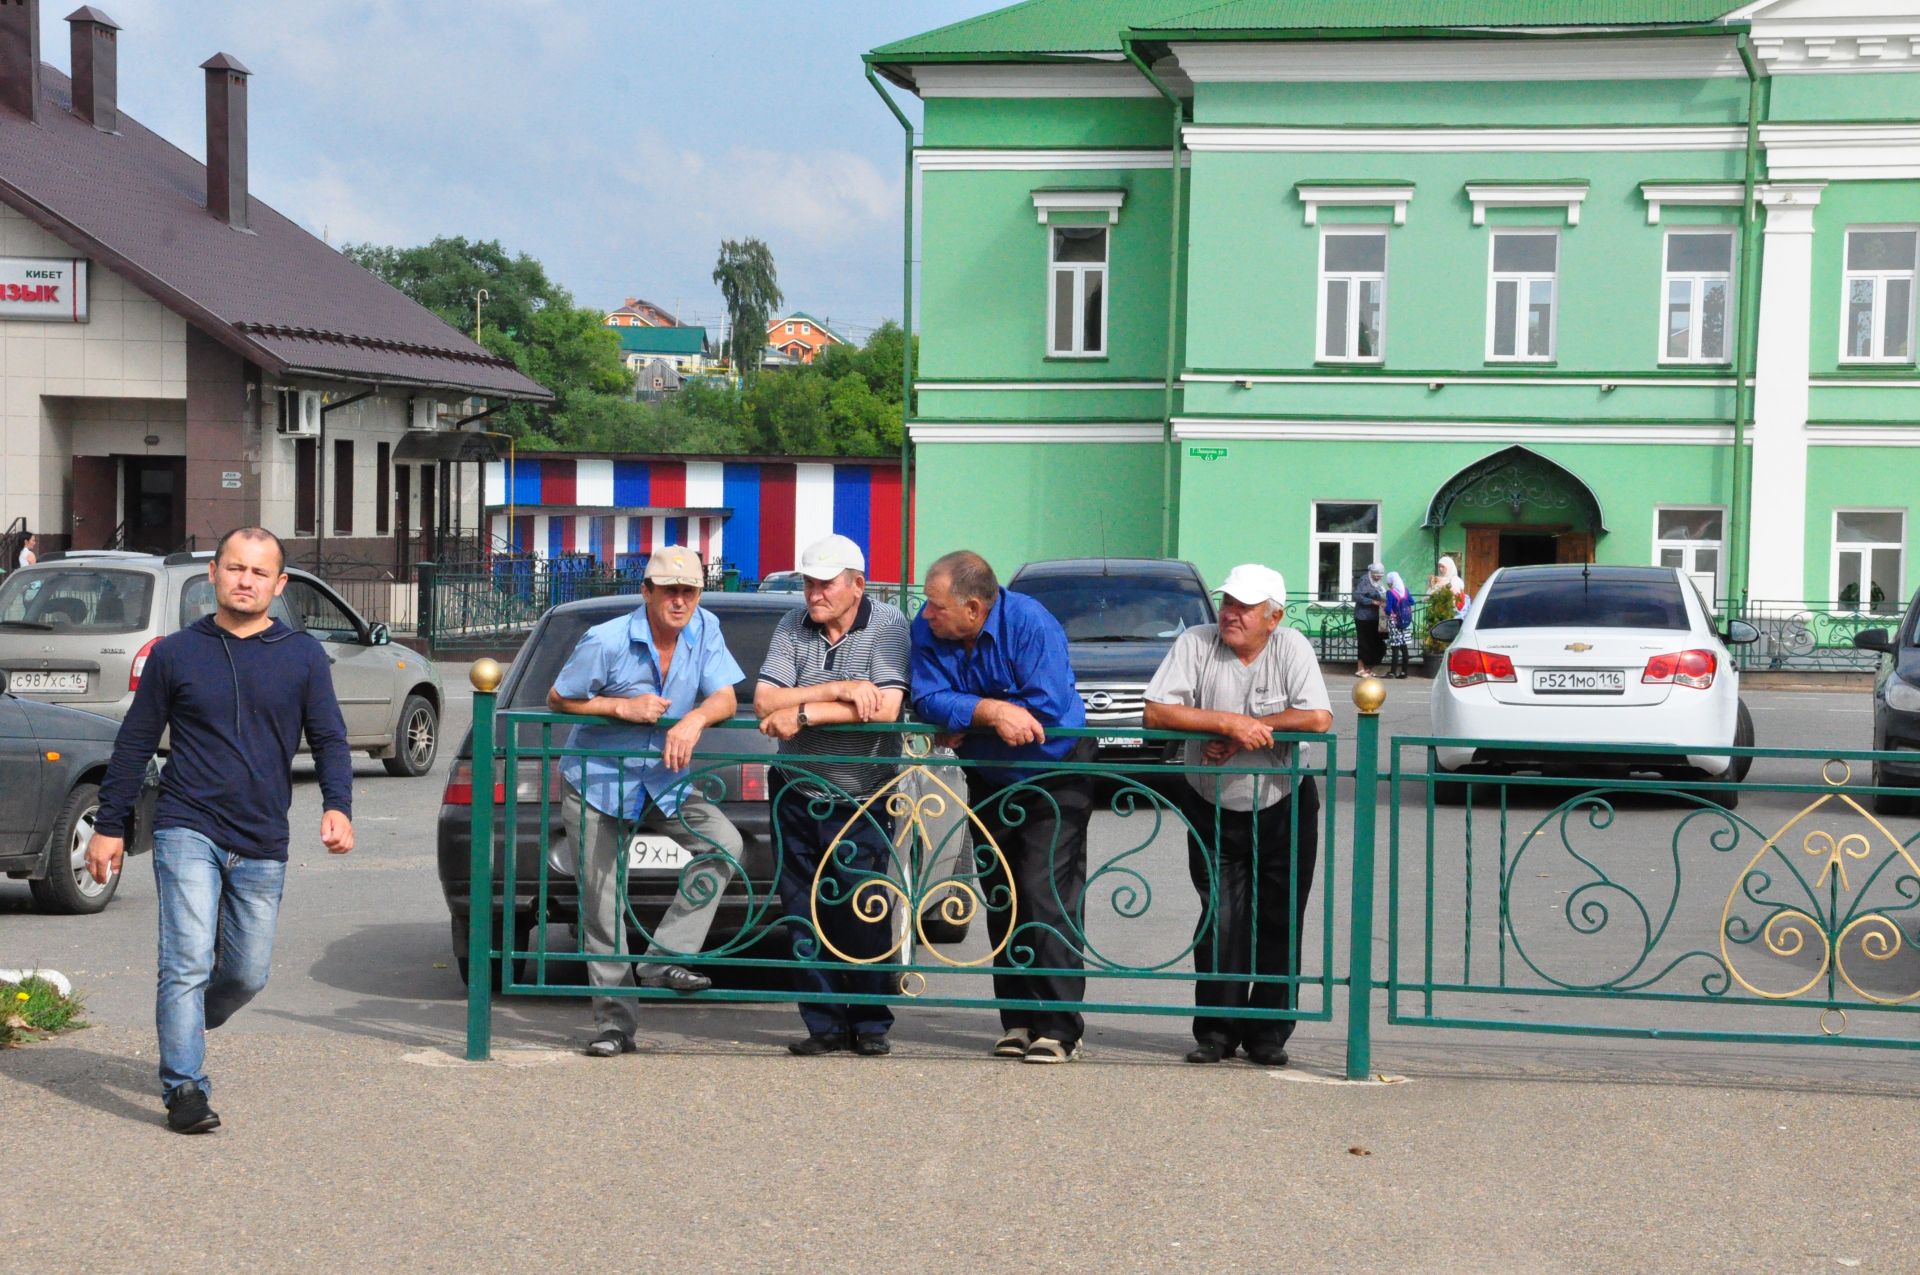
[1512, 280]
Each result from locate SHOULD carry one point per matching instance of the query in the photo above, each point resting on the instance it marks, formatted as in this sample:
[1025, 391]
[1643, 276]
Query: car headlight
[1903, 696]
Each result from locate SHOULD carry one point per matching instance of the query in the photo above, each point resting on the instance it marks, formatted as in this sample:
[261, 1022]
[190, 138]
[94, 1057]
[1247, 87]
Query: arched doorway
[1514, 508]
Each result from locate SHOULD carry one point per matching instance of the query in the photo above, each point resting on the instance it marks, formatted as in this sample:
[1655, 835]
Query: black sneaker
[188, 1112]
[1268, 1055]
[677, 978]
[872, 1045]
[818, 1043]
[610, 1043]
[1210, 1051]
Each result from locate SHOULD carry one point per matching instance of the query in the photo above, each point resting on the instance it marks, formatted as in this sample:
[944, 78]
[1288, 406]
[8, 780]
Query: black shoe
[610, 1043]
[821, 1043]
[872, 1045]
[188, 1112]
[677, 978]
[1210, 1051]
[1267, 1055]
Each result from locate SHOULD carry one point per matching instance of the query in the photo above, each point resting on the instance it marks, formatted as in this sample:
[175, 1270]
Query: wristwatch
[803, 716]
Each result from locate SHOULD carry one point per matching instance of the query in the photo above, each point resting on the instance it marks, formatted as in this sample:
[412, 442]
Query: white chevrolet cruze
[1589, 654]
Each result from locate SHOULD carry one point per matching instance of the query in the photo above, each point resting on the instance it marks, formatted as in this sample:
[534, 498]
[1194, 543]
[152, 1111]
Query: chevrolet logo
[1579, 646]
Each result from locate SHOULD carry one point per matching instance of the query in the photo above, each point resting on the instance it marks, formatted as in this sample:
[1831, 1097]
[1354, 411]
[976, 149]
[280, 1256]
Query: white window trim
[1661, 195]
[1080, 270]
[1345, 539]
[1898, 597]
[1879, 277]
[1353, 297]
[1720, 560]
[1697, 277]
[1315, 197]
[1544, 195]
[1525, 280]
[1109, 202]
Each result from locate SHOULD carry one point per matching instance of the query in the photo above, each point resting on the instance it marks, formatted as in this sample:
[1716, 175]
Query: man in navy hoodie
[235, 689]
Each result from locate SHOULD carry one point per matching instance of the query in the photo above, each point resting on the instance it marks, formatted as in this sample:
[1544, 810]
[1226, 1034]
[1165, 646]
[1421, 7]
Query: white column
[1777, 504]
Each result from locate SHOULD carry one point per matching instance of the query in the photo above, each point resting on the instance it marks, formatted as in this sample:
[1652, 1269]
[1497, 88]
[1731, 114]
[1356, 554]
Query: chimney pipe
[20, 57]
[96, 73]
[226, 138]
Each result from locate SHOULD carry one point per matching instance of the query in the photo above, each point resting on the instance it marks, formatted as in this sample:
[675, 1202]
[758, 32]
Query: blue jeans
[217, 912]
[805, 839]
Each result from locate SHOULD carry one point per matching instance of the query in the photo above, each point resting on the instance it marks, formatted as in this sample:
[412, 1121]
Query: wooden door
[1573, 546]
[1483, 556]
[96, 506]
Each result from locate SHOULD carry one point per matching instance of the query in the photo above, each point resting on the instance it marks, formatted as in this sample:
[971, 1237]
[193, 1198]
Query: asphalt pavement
[355, 1134]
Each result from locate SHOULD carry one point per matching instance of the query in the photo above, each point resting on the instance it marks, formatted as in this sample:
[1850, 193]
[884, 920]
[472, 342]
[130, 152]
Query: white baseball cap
[1252, 584]
[826, 558]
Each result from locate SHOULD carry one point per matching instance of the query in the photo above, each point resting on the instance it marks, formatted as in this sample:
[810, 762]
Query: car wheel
[940, 931]
[522, 934]
[416, 741]
[1886, 803]
[1446, 792]
[68, 888]
[1742, 738]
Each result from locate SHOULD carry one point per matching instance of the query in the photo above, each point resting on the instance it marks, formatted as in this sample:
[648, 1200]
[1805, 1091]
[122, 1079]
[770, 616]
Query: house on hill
[684, 349]
[637, 313]
[800, 337]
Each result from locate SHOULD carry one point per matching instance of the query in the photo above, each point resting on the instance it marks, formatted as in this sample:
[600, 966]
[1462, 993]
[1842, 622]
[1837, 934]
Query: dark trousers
[1041, 828]
[807, 835]
[1372, 642]
[1233, 940]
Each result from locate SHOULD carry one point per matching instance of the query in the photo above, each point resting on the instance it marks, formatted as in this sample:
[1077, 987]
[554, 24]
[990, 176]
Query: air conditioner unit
[423, 413]
[300, 413]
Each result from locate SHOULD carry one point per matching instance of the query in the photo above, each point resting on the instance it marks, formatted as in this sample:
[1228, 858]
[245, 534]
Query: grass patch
[34, 1008]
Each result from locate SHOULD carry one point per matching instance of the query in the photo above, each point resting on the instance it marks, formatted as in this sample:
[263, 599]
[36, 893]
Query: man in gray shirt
[1242, 680]
[841, 659]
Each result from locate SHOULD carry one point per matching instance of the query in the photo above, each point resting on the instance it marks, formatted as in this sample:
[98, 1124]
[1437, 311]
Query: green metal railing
[1594, 907]
[1132, 934]
[1810, 636]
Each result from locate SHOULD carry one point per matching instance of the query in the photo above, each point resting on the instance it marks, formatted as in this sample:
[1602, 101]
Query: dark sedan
[748, 620]
[52, 760]
[1896, 707]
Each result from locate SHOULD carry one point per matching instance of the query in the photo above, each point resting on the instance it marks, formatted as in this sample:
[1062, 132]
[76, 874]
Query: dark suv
[1121, 616]
[1896, 707]
[748, 620]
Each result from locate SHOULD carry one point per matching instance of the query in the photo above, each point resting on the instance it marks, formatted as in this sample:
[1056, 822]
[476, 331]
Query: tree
[751, 286]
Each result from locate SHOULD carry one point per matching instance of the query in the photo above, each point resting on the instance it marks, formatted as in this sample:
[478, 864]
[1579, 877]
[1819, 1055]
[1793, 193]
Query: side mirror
[1874, 640]
[1445, 631]
[1740, 633]
[379, 635]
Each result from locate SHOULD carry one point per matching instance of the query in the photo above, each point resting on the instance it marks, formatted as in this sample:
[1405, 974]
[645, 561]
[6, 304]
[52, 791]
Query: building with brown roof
[180, 358]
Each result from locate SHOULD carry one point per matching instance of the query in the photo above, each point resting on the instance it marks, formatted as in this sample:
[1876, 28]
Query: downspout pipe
[1167, 537]
[906, 348]
[1746, 342]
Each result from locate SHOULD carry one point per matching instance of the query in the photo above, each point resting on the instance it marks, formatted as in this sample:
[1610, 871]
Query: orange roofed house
[798, 337]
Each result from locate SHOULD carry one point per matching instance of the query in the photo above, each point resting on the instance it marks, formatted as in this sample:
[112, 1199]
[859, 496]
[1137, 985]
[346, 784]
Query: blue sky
[618, 141]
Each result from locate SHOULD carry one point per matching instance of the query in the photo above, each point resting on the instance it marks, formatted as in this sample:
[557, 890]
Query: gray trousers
[702, 829]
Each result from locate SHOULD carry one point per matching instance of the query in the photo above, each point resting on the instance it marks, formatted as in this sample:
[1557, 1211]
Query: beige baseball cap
[829, 556]
[676, 564]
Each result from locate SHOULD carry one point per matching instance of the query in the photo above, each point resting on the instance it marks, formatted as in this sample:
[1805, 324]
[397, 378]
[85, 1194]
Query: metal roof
[137, 204]
[687, 340]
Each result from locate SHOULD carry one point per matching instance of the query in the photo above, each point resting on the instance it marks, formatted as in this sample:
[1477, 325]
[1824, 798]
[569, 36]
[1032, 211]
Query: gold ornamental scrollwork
[1826, 923]
[955, 900]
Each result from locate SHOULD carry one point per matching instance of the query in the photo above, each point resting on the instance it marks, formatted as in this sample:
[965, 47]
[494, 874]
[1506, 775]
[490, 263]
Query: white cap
[1252, 584]
[826, 558]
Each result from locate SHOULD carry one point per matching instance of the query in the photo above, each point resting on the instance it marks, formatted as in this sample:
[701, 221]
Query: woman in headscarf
[1398, 609]
[1369, 592]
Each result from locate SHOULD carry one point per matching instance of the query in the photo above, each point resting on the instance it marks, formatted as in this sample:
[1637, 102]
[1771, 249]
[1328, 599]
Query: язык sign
[48, 289]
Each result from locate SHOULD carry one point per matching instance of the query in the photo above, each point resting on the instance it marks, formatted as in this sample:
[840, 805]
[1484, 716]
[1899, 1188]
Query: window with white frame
[1694, 540]
[1878, 324]
[1869, 546]
[1353, 295]
[1346, 536]
[1077, 292]
[1523, 296]
[1697, 292]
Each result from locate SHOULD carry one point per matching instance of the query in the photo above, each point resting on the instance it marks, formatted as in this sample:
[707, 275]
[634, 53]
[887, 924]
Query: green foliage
[751, 286]
[32, 1008]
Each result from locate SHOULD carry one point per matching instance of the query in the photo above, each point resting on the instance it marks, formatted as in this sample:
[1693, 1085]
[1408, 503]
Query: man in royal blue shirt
[994, 664]
[235, 691]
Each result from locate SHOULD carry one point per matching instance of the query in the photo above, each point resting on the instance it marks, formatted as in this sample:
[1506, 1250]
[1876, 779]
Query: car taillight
[140, 664]
[1682, 668]
[753, 782]
[1468, 667]
[459, 791]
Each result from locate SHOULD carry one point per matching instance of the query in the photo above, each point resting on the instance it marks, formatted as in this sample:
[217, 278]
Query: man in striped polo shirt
[842, 659]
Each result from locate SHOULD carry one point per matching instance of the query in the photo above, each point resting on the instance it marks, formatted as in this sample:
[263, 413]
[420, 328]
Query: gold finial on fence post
[1369, 693]
[485, 675]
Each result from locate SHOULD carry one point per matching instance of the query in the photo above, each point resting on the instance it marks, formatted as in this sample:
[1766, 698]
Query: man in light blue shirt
[668, 659]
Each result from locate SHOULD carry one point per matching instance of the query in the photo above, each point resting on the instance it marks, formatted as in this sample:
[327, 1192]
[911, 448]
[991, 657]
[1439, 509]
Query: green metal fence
[1133, 934]
[1587, 906]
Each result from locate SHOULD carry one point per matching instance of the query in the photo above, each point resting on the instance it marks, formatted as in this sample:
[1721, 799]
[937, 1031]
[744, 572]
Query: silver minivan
[77, 630]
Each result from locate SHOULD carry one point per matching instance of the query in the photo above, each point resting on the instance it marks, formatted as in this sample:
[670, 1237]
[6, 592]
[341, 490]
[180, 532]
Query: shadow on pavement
[116, 1086]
